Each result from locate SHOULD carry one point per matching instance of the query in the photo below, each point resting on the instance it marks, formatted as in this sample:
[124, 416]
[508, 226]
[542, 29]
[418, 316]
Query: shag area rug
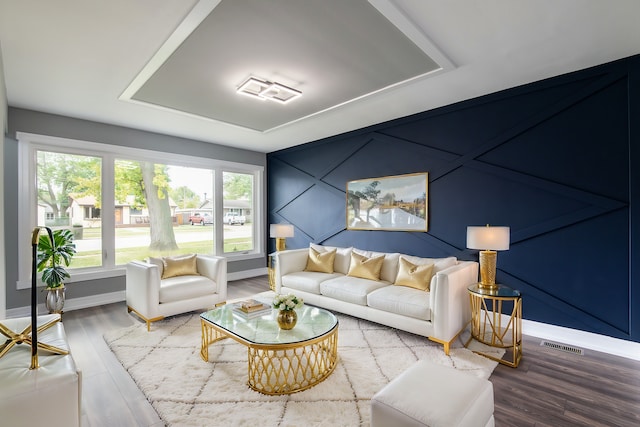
[186, 391]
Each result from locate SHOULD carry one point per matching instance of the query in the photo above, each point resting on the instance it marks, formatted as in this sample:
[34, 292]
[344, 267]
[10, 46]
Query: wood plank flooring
[549, 388]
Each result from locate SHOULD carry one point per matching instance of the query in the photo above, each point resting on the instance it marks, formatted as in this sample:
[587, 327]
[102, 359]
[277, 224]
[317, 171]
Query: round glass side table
[496, 321]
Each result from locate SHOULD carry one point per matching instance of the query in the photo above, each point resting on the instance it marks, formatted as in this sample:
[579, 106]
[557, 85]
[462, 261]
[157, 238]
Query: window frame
[29, 143]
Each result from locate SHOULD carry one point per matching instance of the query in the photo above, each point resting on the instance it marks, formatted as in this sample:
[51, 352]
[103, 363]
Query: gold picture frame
[391, 203]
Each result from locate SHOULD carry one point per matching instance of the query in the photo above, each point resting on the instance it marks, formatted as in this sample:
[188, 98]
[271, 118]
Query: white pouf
[432, 395]
[47, 396]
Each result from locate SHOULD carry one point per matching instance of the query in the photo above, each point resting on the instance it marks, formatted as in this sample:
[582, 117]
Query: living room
[551, 157]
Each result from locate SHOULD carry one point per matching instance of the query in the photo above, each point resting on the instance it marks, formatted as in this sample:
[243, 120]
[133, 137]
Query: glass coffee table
[280, 362]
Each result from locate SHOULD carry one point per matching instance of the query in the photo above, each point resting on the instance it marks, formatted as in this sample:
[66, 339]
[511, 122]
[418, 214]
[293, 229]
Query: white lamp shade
[488, 238]
[281, 230]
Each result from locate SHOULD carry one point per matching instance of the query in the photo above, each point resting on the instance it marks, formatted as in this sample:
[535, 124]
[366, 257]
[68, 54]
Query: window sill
[80, 276]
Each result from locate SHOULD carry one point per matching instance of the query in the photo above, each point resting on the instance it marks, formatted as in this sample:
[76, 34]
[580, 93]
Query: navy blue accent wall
[556, 160]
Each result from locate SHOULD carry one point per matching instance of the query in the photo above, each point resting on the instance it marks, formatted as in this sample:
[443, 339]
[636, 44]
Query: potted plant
[55, 250]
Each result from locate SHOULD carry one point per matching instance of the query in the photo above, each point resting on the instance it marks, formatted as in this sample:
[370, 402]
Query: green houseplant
[55, 250]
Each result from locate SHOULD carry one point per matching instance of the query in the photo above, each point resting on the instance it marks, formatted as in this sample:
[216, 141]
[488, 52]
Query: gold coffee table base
[282, 368]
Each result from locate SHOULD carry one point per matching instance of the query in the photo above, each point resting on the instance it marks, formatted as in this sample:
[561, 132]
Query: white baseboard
[587, 340]
[246, 274]
[72, 304]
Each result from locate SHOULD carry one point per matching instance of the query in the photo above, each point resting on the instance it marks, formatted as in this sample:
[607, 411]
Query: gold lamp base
[281, 244]
[488, 269]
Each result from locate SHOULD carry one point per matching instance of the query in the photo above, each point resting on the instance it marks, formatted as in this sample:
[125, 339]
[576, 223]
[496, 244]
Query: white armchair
[153, 298]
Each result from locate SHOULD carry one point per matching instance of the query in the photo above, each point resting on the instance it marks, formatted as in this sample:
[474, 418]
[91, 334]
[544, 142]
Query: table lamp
[488, 240]
[281, 232]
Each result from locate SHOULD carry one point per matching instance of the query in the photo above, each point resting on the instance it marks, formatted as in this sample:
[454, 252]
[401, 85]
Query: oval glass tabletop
[312, 322]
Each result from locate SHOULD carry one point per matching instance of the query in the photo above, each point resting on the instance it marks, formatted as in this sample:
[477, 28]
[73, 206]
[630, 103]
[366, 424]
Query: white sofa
[439, 314]
[153, 298]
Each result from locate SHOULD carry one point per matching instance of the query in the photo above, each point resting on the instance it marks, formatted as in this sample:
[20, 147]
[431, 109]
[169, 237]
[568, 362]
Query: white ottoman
[432, 395]
[47, 396]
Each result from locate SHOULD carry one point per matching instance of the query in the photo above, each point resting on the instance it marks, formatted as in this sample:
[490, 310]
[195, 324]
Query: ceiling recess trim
[398, 17]
[194, 18]
[388, 8]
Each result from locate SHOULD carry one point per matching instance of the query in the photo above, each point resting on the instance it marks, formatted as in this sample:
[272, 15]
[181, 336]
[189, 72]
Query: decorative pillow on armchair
[321, 262]
[183, 265]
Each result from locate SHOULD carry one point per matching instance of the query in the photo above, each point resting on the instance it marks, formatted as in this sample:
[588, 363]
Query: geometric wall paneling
[362, 164]
[536, 205]
[319, 160]
[392, 154]
[325, 212]
[554, 160]
[590, 137]
[543, 307]
[466, 124]
[571, 266]
[285, 183]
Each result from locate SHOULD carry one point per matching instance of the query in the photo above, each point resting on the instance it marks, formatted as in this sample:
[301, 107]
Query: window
[237, 198]
[69, 188]
[91, 212]
[124, 204]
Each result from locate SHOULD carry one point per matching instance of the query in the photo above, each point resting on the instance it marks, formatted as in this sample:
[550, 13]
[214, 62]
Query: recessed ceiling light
[263, 89]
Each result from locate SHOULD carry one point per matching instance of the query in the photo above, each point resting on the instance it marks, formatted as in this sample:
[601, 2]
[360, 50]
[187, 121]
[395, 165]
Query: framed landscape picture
[396, 203]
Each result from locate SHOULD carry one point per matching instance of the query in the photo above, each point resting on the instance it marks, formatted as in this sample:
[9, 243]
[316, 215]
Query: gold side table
[496, 321]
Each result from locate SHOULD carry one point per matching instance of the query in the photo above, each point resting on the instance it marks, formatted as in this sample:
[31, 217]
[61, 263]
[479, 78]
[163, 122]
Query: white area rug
[186, 391]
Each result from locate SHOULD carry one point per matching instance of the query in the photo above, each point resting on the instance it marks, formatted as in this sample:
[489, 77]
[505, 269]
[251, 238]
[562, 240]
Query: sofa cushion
[401, 300]
[350, 289]
[365, 268]
[183, 265]
[180, 288]
[413, 275]
[389, 264]
[308, 281]
[342, 260]
[322, 262]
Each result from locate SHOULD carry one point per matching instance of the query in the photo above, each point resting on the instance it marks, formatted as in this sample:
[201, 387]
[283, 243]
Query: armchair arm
[289, 261]
[450, 300]
[143, 288]
[215, 268]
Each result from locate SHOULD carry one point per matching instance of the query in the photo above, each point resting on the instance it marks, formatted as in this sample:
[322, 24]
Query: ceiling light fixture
[263, 89]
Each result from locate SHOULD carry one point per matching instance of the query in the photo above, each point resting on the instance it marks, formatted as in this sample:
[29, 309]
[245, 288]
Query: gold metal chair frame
[25, 337]
[276, 369]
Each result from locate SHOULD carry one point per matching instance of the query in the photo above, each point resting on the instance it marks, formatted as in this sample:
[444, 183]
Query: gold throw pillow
[183, 265]
[322, 262]
[365, 268]
[414, 276]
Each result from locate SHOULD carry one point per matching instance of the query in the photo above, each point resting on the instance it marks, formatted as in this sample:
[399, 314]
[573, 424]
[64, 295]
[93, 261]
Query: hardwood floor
[549, 388]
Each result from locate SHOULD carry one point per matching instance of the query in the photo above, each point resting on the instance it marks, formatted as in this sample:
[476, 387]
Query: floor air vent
[563, 347]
